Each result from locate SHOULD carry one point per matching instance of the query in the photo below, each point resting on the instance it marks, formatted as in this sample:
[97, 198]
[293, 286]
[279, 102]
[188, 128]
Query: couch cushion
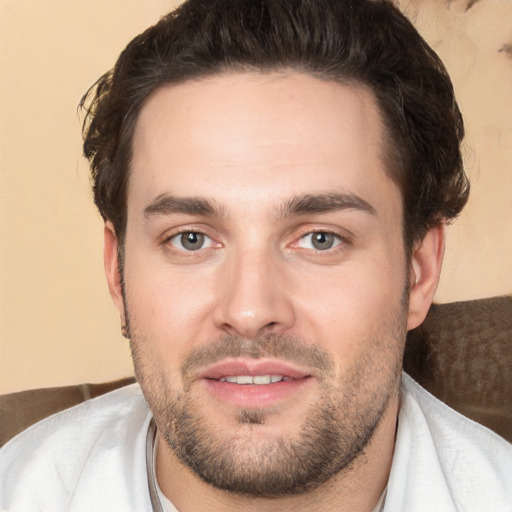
[462, 354]
[20, 410]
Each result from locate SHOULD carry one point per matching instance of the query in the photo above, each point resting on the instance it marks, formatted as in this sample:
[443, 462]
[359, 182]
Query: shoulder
[447, 425]
[452, 461]
[86, 420]
[57, 458]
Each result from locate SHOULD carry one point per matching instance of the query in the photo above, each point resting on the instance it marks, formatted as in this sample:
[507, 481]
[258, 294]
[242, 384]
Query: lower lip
[254, 395]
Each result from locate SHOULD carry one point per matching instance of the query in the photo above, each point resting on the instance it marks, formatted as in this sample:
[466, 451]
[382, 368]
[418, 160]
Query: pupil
[323, 240]
[192, 241]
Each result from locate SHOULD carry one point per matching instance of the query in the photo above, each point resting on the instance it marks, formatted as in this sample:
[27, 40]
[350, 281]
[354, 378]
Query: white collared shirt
[92, 457]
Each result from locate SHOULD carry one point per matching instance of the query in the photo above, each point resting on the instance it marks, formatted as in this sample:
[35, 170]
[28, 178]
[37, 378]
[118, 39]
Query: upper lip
[252, 367]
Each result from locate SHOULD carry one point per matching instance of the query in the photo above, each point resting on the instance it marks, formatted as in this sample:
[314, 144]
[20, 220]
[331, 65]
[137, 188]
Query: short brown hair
[367, 42]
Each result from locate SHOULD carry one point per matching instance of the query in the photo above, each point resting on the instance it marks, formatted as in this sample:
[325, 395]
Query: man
[274, 177]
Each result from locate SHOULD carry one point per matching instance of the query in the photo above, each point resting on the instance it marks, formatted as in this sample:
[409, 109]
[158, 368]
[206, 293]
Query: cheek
[349, 308]
[162, 305]
[168, 307]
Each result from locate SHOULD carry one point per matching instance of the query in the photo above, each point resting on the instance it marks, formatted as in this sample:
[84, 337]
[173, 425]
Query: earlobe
[111, 262]
[425, 269]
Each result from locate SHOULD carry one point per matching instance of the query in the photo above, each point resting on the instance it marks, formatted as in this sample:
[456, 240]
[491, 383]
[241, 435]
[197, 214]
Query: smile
[257, 379]
[251, 383]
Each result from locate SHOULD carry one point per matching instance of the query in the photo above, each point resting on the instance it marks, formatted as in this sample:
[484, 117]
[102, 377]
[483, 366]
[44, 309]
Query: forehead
[245, 135]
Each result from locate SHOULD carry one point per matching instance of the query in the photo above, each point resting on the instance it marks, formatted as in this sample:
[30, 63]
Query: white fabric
[92, 458]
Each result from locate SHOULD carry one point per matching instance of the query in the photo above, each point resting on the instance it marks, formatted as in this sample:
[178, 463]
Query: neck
[357, 488]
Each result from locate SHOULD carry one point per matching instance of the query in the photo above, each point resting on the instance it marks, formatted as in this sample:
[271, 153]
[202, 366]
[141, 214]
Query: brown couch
[462, 354]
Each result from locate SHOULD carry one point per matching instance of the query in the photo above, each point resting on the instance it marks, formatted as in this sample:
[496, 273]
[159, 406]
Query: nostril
[270, 327]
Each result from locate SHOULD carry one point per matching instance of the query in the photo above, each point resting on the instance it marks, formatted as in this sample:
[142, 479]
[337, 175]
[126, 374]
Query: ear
[425, 269]
[111, 262]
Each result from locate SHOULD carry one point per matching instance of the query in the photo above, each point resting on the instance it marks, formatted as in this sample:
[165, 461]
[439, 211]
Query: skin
[251, 144]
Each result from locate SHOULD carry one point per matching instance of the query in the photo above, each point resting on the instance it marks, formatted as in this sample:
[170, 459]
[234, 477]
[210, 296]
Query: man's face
[265, 277]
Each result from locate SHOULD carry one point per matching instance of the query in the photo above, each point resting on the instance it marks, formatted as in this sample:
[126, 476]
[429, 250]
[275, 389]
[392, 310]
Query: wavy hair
[366, 42]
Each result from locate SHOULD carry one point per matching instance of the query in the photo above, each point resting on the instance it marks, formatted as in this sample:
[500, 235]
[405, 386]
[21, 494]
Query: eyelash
[339, 241]
[168, 240]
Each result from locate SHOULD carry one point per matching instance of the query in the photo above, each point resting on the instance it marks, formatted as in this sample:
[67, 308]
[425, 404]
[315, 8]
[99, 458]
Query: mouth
[259, 380]
[254, 383]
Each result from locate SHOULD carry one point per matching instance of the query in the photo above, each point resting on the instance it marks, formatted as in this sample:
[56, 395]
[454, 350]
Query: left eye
[319, 241]
[191, 241]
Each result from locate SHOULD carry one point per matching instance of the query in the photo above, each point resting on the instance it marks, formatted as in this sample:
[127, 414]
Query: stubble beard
[333, 436]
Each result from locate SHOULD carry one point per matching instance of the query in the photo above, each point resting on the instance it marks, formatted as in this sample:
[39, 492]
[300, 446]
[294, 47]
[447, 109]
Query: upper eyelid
[168, 242]
[314, 232]
[343, 242]
[177, 233]
[341, 238]
[173, 232]
[343, 234]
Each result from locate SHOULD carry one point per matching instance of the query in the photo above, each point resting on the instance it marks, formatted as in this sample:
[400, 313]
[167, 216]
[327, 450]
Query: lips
[252, 368]
[253, 383]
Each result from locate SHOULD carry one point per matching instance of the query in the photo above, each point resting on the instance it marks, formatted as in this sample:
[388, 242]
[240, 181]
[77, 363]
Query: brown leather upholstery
[20, 410]
[462, 354]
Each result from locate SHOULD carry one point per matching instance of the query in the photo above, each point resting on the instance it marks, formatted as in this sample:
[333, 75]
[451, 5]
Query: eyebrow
[305, 204]
[165, 204]
[308, 204]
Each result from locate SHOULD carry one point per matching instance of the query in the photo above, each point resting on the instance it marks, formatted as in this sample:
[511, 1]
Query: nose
[252, 297]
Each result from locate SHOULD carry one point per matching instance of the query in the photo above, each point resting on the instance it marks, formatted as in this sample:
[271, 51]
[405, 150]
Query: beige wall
[57, 324]
[475, 44]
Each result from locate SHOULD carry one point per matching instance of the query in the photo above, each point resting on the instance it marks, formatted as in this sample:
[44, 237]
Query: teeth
[262, 379]
[258, 379]
[244, 379]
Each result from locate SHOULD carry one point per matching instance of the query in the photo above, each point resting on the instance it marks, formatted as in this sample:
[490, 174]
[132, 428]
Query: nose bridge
[251, 296]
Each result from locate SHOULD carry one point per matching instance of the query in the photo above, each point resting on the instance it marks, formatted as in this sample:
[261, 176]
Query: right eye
[319, 241]
[191, 241]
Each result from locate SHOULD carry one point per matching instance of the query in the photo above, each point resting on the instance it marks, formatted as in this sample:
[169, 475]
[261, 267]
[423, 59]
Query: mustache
[289, 348]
